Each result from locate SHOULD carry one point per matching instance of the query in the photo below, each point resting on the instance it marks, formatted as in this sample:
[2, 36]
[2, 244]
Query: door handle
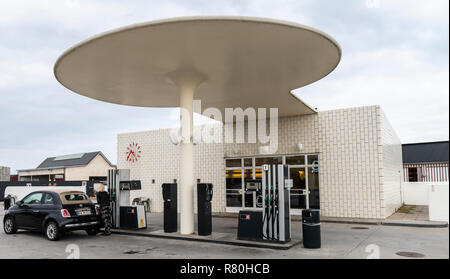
[35, 211]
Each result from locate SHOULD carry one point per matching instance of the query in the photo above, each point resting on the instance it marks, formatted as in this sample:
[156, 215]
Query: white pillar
[187, 81]
[186, 184]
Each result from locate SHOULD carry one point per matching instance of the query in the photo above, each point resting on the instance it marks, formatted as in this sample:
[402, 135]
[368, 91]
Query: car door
[26, 216]
[39, 211]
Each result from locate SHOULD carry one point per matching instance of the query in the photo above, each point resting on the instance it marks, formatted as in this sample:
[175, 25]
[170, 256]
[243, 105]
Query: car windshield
[75, 197]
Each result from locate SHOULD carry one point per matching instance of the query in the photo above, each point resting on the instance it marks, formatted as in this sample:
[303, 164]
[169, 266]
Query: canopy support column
[187, 82]
[186, 161]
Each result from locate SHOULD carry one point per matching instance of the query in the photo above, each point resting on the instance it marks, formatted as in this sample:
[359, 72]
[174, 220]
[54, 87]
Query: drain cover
[410, 254]
[360, 228]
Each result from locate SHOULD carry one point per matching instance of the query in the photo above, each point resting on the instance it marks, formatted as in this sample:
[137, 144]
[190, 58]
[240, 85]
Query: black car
[53, 213]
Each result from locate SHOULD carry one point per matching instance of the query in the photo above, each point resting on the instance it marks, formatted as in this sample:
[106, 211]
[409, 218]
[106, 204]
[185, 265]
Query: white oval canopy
[248, 62]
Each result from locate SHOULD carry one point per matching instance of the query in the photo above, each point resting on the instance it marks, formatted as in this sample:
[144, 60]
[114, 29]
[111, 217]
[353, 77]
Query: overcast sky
[395, 54]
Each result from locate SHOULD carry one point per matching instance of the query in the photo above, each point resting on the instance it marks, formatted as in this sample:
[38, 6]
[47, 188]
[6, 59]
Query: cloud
[413, 93]
[395, 55]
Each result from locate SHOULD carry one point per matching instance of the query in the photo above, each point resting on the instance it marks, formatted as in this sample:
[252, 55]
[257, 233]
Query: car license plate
[83, 212]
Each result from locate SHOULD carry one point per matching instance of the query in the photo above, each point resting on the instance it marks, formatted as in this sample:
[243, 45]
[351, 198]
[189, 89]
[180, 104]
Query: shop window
[313, 159]
[233, 163]
[412, 175]
[295, 160]
[268, 160]
[258, 173]
[233, 188]
[313, 187]
[248, 195]
[248, 162]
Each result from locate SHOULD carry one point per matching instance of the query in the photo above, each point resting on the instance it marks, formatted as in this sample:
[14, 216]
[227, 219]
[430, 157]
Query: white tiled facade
[359, 154]
[159, 164]
[392, 165]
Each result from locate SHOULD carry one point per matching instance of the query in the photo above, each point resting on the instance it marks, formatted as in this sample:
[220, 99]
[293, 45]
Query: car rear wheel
[52, 231]
[9, 226]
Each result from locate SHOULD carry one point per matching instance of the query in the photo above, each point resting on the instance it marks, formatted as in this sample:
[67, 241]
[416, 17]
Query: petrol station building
[345, 162]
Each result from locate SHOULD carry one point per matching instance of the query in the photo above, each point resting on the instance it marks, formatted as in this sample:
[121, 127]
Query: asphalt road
[338, 241]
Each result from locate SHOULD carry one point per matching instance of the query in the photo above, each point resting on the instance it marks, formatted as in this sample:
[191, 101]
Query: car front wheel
[52, 231]
[9, 226]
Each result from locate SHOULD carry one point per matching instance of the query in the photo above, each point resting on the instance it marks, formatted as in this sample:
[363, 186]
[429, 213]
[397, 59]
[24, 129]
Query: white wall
[391, 165]
[346, 140]
[96, 167]
[347, 143]
[39, 172]
[433, 194]
[159, 163]
[438, 201]
[415, 193]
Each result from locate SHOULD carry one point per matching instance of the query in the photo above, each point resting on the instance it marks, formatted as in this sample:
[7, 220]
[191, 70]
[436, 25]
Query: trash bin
[7, 202]
[311, 228]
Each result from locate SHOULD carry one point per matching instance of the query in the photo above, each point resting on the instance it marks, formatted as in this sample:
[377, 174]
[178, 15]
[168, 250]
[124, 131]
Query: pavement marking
[362, 241]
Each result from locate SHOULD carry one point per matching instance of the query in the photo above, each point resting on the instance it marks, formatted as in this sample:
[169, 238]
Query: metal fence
[425, 172]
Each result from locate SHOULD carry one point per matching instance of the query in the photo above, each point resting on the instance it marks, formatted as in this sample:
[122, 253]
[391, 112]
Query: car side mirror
[19, 203]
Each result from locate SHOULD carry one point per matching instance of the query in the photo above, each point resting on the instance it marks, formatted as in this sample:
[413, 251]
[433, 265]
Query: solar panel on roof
[70, 156]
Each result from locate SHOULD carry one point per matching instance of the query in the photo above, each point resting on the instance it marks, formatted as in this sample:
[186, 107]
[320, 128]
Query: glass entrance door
[234, 188]
[249, 196]
[258, 176]
[299, 190]
[303, 170]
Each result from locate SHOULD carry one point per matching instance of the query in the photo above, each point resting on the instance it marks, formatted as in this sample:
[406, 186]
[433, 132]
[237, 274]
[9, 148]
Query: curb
[417, 224]
[376, 222]
[223, 242]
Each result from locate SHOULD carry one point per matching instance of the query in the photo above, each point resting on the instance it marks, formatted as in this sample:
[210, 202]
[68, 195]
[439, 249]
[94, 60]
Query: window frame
[254, 167]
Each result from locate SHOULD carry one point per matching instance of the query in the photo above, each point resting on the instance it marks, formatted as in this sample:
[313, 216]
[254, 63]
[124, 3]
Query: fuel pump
[204, 214]
[169, 192]
[124, 215]
[254, 185]
[273, 222]
[276, 203]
